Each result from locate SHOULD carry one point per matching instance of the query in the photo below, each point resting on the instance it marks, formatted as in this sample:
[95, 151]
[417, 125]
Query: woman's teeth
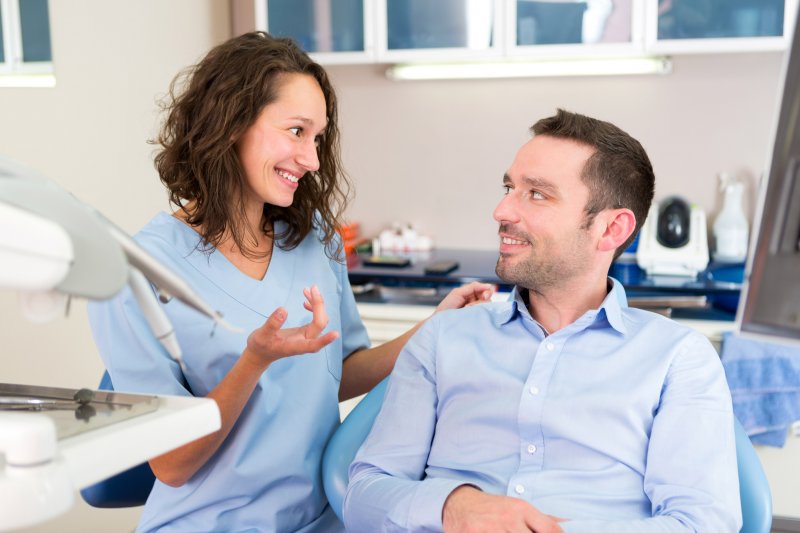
[290, 177]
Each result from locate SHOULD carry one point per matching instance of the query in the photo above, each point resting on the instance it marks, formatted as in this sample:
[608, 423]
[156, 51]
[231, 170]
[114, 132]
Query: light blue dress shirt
[266, 476]
[621, 421]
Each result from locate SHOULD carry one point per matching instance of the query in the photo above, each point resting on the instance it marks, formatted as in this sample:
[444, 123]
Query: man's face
[544, 241]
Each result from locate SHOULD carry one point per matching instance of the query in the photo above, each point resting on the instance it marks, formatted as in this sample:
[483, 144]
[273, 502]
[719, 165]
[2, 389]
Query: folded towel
[764, 379]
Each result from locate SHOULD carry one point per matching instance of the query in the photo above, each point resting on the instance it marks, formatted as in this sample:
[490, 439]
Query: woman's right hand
[270, 343]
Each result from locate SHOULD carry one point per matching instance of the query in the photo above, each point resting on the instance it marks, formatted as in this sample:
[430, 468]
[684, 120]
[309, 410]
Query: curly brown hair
[209, 107]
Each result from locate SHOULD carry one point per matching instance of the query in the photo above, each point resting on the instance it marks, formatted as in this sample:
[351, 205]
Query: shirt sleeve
[354, 334]
[133, 357]
[691, 476]
[387, 491]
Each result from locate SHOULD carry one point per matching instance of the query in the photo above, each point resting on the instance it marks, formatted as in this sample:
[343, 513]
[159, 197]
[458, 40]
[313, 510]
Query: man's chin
[504, 271]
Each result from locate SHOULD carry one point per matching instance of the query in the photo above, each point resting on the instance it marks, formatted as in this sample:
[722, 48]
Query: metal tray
[75, 411]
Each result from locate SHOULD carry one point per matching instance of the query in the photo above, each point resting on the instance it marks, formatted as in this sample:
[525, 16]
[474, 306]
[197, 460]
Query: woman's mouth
[288, 176]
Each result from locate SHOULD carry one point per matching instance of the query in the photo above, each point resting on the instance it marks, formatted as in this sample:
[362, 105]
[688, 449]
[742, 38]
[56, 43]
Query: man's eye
[536, 195]
[506, 189]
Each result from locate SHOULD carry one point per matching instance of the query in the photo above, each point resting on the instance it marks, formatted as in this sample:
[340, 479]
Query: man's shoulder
[663, 331]
[474, 315]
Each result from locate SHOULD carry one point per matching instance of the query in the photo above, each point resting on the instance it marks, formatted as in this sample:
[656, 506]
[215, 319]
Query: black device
[389, 261]
[440, 268]
[674, 215]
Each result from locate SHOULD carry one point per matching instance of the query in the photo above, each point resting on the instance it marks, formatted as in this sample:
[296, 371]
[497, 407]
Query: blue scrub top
[266, 476]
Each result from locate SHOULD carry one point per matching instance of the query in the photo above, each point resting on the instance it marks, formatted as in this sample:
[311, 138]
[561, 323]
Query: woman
[250, 156]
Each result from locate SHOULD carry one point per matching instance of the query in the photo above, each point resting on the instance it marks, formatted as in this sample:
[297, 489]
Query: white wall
[429, 152]
[434, 152]
[112, 58]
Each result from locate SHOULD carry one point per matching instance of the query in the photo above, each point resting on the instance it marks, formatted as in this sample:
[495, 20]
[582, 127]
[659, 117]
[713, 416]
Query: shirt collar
[612, 307]
[503, 313]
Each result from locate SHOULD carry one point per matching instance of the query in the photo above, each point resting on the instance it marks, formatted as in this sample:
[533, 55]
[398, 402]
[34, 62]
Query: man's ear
[617, 226]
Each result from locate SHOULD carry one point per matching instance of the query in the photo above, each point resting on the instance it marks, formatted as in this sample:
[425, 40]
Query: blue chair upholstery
[126, 489]
[754, 490]
[345, 442]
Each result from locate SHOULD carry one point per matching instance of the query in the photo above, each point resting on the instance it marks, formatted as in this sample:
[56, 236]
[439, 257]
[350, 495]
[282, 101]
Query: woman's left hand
[466, 295]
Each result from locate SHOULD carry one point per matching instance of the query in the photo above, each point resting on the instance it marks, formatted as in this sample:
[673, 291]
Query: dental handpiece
[154, 314]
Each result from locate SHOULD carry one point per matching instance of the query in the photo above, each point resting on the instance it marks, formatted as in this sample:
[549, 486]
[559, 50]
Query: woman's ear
[617, 224]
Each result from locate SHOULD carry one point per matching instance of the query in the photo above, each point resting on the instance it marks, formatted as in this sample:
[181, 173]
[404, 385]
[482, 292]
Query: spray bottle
[731, 230]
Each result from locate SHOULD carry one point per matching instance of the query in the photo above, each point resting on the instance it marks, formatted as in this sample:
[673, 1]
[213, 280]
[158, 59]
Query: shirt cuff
[426, 506]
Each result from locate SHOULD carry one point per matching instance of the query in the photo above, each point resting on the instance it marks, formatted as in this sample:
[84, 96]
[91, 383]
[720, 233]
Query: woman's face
[280, 147]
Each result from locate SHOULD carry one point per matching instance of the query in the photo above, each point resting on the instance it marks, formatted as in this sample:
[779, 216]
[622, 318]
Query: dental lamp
[54, 247]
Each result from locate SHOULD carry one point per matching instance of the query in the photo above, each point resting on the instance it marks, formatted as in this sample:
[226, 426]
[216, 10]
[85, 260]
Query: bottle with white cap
[731, 230]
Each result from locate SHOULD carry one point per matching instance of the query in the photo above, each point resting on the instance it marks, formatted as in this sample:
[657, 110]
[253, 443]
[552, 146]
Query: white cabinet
[438, 30]
[708, 26]
[538, 28]
[392, 31]
[332, 31]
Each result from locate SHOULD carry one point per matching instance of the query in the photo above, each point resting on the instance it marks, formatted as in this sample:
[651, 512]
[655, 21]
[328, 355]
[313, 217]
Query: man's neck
[559, 307]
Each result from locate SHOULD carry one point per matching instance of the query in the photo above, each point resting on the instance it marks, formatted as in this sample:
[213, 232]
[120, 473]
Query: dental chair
[754, 490]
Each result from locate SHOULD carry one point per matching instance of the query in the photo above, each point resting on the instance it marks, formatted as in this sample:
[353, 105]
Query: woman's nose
[308, 156]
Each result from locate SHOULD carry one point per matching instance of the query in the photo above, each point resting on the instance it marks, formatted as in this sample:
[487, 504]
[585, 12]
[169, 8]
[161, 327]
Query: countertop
[712, 294]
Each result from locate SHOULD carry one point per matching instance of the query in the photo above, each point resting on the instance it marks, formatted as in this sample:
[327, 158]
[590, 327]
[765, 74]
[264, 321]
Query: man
[563, 409]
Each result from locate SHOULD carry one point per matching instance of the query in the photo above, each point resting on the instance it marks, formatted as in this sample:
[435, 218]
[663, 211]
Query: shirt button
[550, 346]
[519, 489]
[531, 448]
[534, 390]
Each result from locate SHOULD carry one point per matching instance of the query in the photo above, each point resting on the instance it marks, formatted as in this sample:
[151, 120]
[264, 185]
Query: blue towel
[764, 379]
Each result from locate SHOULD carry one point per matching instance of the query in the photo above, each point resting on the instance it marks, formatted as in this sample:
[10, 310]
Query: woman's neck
[252, 256]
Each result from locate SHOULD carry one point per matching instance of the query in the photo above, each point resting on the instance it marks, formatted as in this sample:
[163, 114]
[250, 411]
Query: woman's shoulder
[165, 235]
[164, 226]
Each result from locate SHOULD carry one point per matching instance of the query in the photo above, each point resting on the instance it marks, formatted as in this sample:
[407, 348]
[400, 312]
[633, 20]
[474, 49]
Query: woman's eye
[296, 131]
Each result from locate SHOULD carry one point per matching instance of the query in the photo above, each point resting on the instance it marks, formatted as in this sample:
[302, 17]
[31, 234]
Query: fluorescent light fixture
[523, 69]
[27, 80]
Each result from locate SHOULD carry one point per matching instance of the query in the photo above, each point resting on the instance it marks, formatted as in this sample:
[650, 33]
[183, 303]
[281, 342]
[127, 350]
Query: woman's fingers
[464, 295]
[272, 341]
[275, 321]
[320, 316]
[315, 345]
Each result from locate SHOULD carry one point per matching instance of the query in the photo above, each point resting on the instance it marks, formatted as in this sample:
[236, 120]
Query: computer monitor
[770, 303]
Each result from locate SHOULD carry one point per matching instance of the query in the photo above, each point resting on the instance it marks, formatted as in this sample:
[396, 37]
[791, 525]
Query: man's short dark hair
[618, 174]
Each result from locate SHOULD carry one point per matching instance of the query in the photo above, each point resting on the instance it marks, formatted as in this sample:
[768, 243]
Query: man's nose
[506, 209]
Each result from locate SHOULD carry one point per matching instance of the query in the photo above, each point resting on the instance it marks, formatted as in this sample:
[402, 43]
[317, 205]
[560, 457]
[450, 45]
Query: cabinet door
[538, 28]
[438, 29]
[706, 26]
[331, 31]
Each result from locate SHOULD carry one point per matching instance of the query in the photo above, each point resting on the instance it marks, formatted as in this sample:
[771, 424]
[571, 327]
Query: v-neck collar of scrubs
[217, 269]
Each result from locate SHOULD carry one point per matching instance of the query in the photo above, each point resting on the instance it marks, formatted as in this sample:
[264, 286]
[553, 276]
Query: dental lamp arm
[79, 252]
